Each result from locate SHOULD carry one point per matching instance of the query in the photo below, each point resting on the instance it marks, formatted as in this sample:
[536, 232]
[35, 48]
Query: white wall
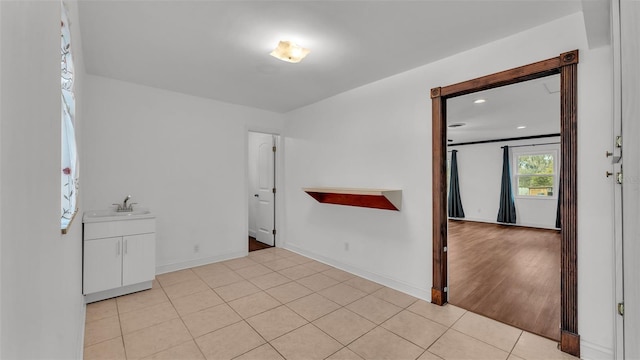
[480, 174]
[42, 310]
[379, 135]
[183, 157]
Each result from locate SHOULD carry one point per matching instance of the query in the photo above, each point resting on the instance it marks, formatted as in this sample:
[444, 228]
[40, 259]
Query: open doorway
[567, 66]
[506, 267]
[261, 190]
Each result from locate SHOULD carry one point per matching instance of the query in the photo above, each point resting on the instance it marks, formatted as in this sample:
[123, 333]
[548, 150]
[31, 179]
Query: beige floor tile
[236, 290]
[279, 264]
[344, 325]
[513, 357]
[101, 330]
[313, 306]
[196, 302]
[429, 356]
[289, 292]
[490, 331]
[263, 256]
[211, 319]
[108, 350]
[263, 352]
[318, 266]
[253, 271]
[297, 272]
[395, 297]
[254, 304]
[185, 288]
[282, 252]
[298, 259]
[176, 277]
[374, 309]
[533, 347]
[342, 294]
[101, 309]
[270, 280]
[210, 269]
[239, 263]
[317, 282]
[186, 351]
[383, 344]
[339, 275]
[276, 322]
[154, 339]
[445, 315]
[140, 300]
[152, 315]
[344, 354]
[229, 342]
[456, 345]
[215, 280]
[363, 284]
[307, 342]
[415, 328]
[155, 284]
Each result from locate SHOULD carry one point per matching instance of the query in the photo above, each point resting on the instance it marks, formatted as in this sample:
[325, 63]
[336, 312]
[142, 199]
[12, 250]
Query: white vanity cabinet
[119, 256]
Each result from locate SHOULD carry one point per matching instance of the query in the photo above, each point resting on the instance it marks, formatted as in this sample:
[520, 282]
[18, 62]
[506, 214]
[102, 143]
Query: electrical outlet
[196, 248]
[346, 246]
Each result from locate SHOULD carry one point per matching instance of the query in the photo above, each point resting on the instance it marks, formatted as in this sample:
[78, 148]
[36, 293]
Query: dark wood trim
[439, 193]
[569, 206]
[505, 139]
[566, 65]
[570, 343]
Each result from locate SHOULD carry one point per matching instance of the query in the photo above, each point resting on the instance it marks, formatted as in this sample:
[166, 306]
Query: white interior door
[630, 76]
[266, 191]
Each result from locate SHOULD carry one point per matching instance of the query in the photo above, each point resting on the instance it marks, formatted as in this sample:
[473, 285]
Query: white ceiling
[220, 49]
[534, 104]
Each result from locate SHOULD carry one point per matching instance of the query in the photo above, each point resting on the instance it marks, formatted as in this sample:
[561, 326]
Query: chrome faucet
[124, 207]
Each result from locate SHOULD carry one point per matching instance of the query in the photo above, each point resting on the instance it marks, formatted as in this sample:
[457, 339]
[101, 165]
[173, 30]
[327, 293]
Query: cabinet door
[139, 259]
[102, 264]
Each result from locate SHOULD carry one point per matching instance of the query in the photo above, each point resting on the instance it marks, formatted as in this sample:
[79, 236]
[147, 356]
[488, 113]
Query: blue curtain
[507, 211]
[455, 203]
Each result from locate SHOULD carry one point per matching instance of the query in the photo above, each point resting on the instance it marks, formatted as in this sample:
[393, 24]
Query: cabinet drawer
[105, 229]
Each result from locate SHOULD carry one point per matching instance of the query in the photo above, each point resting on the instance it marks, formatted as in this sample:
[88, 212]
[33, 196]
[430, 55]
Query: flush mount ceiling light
[479, 101]
[521, 127]
[289, 52]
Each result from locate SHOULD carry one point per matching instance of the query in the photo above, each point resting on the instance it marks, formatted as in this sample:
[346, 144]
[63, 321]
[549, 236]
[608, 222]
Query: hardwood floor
[508, 273]
[257, 245]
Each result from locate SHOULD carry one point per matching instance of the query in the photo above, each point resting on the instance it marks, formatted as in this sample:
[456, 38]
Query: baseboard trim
[591, 351]
[424, 294]
[199, 262]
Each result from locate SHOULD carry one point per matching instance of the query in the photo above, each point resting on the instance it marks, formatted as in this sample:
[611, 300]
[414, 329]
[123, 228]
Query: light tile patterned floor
[275, 304]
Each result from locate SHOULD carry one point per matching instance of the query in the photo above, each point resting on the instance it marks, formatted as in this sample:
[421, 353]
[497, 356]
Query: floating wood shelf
[370, 198]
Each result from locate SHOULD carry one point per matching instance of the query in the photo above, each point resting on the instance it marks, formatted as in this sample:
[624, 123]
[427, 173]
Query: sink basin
[112, 215]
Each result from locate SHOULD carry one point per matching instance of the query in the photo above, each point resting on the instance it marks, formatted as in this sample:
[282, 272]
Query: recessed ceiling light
[457, 125]
[479, 101]
[521, 127]
[290, 52]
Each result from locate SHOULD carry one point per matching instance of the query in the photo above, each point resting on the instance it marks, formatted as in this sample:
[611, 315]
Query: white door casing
[266, 186]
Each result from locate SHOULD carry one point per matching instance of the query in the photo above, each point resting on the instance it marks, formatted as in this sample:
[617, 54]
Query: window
[69, 169]
[535, 174]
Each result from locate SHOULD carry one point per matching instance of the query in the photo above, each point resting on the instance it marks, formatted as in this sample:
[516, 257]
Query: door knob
[256, 195]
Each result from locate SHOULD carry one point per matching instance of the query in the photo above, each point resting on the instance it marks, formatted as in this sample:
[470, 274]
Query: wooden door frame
[566, 64]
